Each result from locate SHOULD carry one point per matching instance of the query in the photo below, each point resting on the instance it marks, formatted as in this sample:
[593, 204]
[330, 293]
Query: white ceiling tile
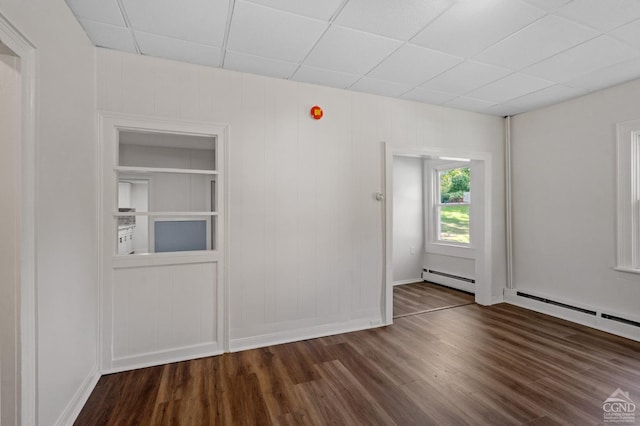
[324, 9]
[257, 65]
[396, 19]
[538, 41]
[105, 11]
[413, 65]
[468, 27]
[509, 87]
[272, 33]
[470, 104]
[351, 51]
[629, 33]
[598, 53]
[428, 96]
[604, 15]
[465, 77]
[607, 77]
[201, 21]
[178, 50]
[110, 36]
[380, 87]
[501, 110]
[547, 96]
[324, 77]
[548, 4]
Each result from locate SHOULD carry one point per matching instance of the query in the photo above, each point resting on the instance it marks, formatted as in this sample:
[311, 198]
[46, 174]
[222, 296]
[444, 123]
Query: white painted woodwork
[161, 307]
[10, 238]
[564, 201]
[305, 234]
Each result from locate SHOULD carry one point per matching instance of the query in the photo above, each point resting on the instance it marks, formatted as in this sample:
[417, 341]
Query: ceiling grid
[499, 57]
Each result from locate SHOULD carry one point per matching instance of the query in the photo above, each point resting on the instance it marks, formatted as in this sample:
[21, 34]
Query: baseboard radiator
[455, 277]
[593, 317]
[621, 320]
[555, 303]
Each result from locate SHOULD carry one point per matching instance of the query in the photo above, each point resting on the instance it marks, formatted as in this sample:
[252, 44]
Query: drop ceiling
[499, 57]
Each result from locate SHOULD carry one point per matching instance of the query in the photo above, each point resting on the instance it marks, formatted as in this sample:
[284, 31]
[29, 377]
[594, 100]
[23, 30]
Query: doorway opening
[437, 229]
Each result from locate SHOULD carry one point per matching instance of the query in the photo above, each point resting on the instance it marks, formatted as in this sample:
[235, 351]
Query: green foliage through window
[453, 184]
[454, 219]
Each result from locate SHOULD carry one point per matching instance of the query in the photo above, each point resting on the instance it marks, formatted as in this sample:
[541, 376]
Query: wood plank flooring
[498, 365]
[410, 299]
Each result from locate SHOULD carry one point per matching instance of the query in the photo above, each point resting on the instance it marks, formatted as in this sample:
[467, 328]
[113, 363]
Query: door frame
[481, 214]
[27, 374]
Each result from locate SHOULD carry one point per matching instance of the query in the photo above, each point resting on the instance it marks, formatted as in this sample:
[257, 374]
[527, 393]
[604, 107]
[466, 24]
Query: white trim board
[72, 410]
[594, 321]
[26, 51]
[245, 343]
[409, 281]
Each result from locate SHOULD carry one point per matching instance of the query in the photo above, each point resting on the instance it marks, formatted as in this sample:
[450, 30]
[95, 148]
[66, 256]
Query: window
[166, 193]
[452, 205]
[628, 194]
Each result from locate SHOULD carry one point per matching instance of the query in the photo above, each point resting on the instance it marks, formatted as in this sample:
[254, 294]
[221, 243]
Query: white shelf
[163, 170]
[125, 214]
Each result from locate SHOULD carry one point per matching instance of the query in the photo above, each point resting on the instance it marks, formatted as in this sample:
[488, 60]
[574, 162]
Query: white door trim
[28, 379]
[482, 238]
[109, 125]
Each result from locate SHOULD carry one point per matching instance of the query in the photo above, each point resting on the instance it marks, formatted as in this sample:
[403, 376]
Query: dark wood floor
[410, 299]
[499, 365]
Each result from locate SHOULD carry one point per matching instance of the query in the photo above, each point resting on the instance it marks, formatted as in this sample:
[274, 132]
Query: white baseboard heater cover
[555, 303]
[603, 315]
[455, 277]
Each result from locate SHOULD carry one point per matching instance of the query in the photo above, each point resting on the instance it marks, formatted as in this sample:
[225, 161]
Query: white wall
[305, 237]
[10, 106]
[66, 265]
[408, 219]
[564, 200]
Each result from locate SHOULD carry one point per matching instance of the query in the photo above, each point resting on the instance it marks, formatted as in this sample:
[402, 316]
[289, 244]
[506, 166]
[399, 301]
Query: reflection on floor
[416, 298]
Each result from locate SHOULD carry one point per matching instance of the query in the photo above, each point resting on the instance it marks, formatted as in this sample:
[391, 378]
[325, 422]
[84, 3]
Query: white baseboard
[278, 338]
[594, 321]
[162, 357]
[72, 410]
[411, 281]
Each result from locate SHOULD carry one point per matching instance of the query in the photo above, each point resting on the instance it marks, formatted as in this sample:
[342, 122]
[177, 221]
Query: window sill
[626, 269]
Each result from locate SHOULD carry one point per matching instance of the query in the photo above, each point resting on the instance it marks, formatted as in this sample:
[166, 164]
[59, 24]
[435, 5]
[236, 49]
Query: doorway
[474, 256]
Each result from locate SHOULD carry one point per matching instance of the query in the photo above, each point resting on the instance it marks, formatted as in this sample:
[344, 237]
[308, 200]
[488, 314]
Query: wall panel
[305, 234]
[162, 308]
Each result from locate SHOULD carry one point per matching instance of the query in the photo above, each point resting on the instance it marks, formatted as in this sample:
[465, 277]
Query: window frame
[628, 197]
[151, 173]
[433, 244]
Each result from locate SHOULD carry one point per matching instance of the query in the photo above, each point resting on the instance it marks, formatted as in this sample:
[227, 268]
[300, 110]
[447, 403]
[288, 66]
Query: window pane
[156, 234]
[454, 223]
[160, 150]
[166, 192]
[454, 185]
